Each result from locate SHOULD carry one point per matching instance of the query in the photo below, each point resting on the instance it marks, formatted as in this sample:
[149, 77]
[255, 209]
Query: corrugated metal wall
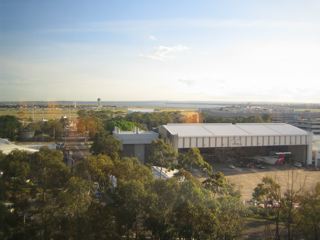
[241, 141]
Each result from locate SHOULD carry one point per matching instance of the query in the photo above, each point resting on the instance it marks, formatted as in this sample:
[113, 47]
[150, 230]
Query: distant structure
[141, 110]
[309, 125]
[252, 138]
[99, 102]
[135, 143]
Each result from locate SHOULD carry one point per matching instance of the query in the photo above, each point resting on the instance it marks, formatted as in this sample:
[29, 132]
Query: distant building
[135, 143]
[252, 138]
[310, 125]
[140, 110]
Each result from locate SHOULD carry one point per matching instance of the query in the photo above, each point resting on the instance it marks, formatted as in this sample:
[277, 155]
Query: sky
[171, 50]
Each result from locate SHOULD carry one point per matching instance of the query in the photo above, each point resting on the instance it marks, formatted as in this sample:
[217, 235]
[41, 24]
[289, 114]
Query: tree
[193, 159]
[230, 213]
[158, 207]
[268, 192]
[155, 119]
[219, 185]
[91, 125]
[308, 217]
[96, 169]
[9, 127]
[122, 124]
[105, 144]
[15, 191]
[162, 154]
[129, 202]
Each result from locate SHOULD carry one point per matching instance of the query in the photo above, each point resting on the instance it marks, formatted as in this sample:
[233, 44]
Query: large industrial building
[251, 138]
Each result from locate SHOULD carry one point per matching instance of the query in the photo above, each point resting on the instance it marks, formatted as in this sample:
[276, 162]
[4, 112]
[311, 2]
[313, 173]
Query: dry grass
[39, 114]
[246, 182]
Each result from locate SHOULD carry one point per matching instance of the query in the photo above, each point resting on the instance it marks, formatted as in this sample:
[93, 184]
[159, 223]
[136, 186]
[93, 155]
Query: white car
[298, 164]
[231, 166]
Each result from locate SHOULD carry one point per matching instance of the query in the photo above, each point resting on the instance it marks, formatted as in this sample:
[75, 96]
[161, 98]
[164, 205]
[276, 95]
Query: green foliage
[210, 118]
[48, 130]
[122, 124]
[192, 159]
[219, 185]
[9, 127]
[296, 210]
[266, 191]
[105, 144]
[155, 119]
[142, 120]
[90, 125]
[162, 154]
[46, 200]
[308, 216]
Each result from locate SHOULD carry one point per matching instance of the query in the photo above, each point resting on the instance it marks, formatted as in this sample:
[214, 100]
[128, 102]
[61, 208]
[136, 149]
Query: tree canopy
[9, 127]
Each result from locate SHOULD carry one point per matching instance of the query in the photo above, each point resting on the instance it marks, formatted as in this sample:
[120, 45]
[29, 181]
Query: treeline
[106, 120]
[258, 118]
[110, 198]
[89, 123]
[124, 121]
[13, 129]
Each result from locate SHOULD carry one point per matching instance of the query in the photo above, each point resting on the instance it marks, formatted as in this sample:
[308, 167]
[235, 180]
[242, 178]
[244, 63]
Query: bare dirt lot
[247, 179]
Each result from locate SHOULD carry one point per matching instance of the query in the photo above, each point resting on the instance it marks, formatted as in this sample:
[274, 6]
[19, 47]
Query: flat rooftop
[229, 129]
[131, 137]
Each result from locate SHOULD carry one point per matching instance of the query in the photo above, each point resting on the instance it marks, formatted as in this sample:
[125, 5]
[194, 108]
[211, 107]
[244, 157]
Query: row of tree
[13, 129]
[110, 198]
[258, 118]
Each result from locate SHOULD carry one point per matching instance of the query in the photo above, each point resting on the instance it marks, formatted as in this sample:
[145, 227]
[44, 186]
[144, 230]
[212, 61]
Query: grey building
[310, 125]
[135, 143]
[256, 137]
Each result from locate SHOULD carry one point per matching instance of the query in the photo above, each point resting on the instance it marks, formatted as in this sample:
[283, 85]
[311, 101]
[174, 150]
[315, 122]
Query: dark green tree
[9, 127]
[308, 217]
[106, 144]
[162, 154]
[193, 159]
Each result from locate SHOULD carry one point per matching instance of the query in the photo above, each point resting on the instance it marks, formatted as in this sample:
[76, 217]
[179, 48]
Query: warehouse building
[251, 138]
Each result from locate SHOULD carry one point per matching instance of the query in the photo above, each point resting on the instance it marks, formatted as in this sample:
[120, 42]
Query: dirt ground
[247, 179]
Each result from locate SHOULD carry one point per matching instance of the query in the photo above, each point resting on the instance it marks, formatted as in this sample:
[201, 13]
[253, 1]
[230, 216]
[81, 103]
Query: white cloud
[161, 53]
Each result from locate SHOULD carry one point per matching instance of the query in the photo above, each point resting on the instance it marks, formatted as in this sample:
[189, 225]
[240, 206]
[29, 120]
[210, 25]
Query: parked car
[298, 164]
[231, 166]
[260, 166]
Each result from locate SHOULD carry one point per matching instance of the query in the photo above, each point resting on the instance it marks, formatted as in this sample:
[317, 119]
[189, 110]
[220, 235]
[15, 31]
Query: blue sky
[160, 50]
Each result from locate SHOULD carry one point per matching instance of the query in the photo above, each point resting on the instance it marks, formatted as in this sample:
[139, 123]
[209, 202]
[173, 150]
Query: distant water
[145, 104]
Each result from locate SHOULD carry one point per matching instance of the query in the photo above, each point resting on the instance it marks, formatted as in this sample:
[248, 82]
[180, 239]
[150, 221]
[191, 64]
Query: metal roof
[229, 129]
